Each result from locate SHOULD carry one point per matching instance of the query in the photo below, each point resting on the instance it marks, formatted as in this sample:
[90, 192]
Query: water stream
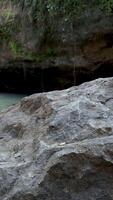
[8, 99]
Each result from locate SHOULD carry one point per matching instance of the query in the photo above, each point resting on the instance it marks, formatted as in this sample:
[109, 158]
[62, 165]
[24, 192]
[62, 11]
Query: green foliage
[39, 9]
[7, 24]
[16, 48]
[18, 51]
[67, 7]
[106, 5]
[40, 57]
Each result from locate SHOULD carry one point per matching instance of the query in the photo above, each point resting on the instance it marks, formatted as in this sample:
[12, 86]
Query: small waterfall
[24, 73]
[42, 81]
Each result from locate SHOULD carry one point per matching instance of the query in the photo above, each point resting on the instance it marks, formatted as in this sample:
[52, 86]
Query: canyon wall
[45, 50]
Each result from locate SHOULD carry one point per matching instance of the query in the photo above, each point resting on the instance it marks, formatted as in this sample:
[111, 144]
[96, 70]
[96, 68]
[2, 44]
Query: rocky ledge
[59, 145]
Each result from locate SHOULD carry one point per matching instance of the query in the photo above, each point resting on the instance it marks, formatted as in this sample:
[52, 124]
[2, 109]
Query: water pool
[7, 99]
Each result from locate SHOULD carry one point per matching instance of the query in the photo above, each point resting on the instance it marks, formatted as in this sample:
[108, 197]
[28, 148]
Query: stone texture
[59, 145]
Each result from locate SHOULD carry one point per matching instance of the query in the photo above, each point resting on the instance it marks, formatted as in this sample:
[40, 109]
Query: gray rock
[59, 145]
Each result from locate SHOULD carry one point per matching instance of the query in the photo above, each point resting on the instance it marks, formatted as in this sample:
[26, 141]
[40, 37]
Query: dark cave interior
[28, 80]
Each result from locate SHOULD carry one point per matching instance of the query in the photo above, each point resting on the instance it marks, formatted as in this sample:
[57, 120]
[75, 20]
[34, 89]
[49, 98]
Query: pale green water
[7, 99]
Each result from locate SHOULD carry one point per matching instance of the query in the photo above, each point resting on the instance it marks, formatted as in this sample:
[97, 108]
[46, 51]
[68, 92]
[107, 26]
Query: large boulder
[59, 145]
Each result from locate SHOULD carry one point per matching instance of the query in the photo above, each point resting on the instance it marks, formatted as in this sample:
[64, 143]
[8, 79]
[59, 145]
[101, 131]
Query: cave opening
[29, 79]
[103, 70]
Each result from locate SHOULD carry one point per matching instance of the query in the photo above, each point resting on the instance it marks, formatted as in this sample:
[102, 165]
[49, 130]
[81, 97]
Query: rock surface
[59, 145]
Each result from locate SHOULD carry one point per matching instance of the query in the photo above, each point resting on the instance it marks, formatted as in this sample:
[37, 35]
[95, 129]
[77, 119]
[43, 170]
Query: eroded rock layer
[59, 145]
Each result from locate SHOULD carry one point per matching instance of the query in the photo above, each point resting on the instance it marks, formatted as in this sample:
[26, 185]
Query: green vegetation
[106, 5]
[40, 12]
[7, 25]
[39, 57]
[16, 48]
[18, 51]
[39, 8]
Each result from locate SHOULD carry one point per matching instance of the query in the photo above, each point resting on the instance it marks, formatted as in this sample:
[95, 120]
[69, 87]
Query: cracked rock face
[59, 145]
